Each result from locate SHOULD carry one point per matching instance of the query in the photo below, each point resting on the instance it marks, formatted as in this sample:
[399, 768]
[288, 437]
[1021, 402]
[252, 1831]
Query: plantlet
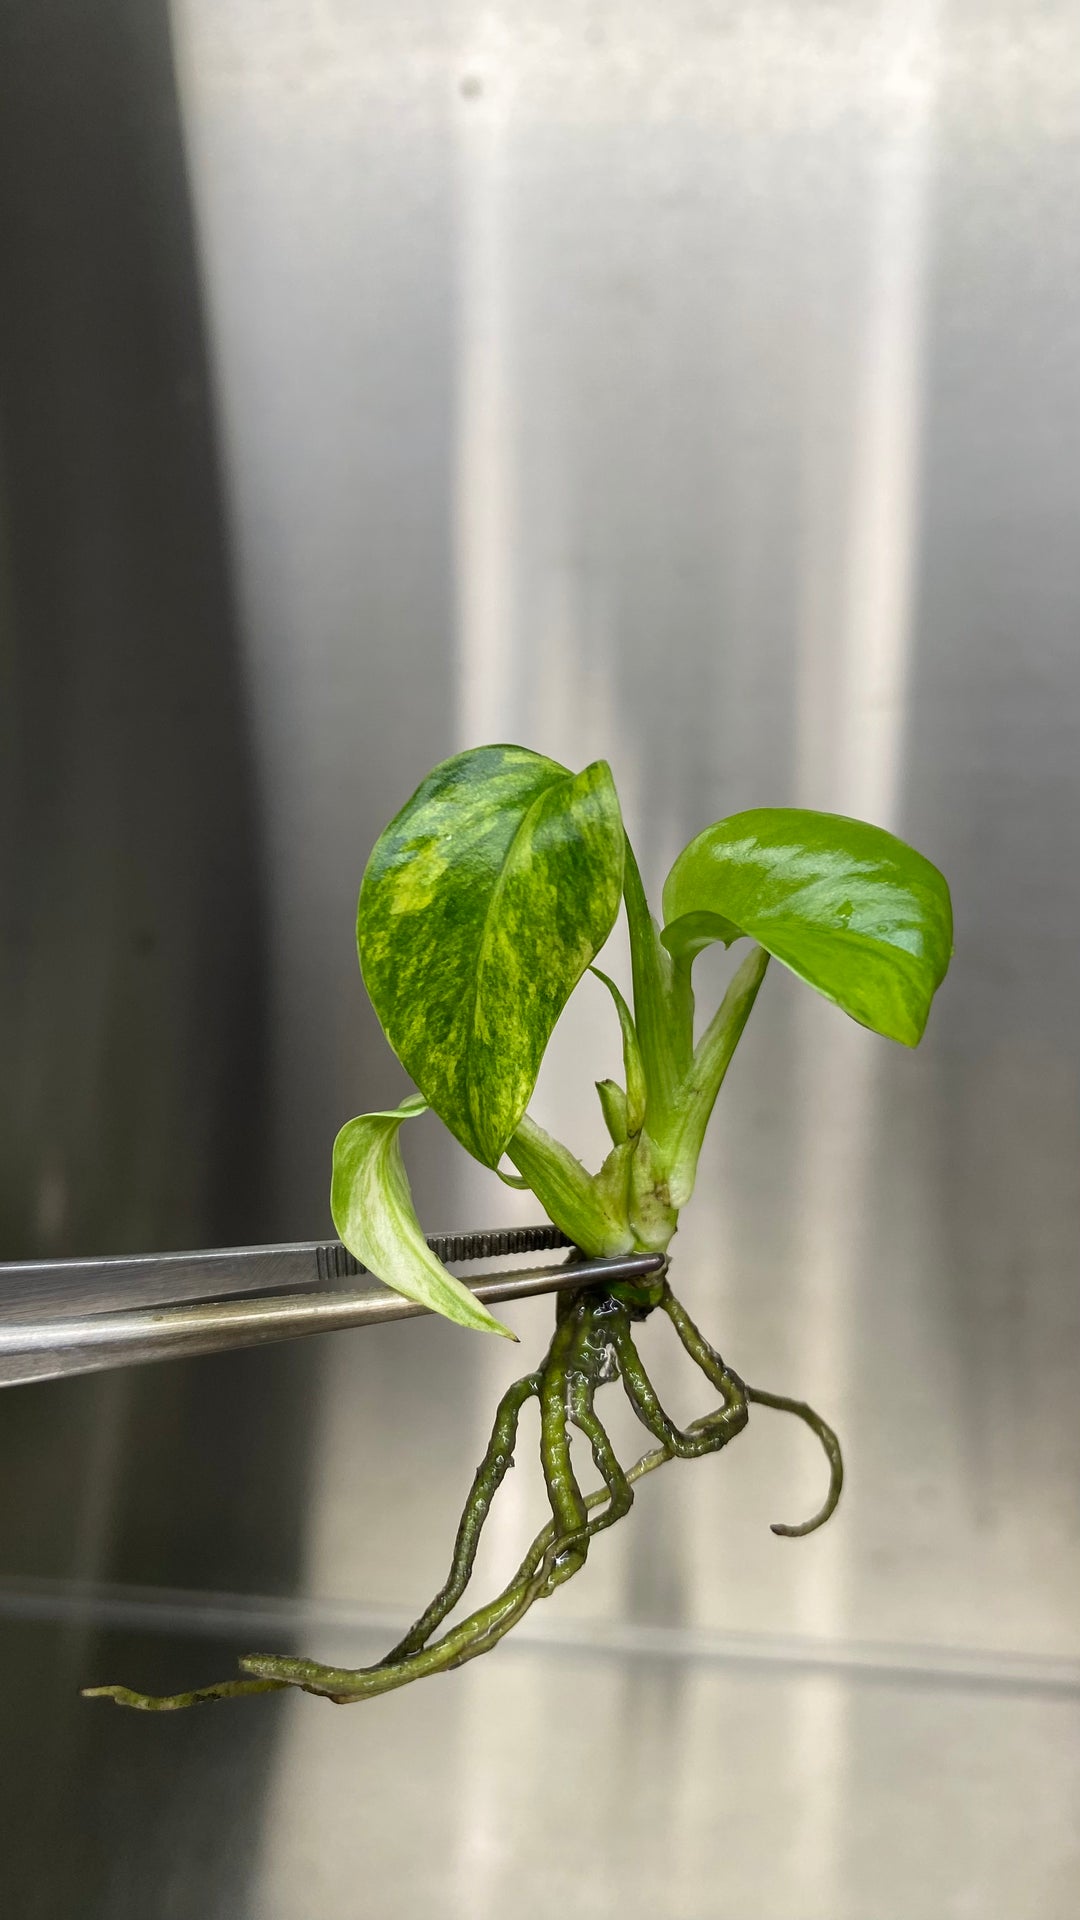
[482, 905]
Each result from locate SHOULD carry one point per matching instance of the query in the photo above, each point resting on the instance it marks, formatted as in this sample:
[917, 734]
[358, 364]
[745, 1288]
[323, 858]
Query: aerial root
[490, 1475]
[592, 1345]
[832, 1451]
[172, 1702]
[736, 1393]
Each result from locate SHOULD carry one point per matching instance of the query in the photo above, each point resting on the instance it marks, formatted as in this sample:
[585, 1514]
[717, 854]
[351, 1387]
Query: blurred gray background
[696, 386]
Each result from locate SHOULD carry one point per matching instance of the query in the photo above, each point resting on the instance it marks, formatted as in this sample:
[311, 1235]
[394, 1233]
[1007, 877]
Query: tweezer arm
[46, 1289]
[48, 1350]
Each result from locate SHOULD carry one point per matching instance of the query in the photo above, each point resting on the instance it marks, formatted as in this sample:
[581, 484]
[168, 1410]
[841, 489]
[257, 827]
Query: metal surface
[549, 1742]
[37, 1289]
[696, 385]
[53, 1350]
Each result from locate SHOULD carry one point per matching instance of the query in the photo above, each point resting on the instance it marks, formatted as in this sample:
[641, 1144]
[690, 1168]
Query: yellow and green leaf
[482, 905]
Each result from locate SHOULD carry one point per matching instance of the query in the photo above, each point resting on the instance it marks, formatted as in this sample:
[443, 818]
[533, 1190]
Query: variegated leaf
[481, 906]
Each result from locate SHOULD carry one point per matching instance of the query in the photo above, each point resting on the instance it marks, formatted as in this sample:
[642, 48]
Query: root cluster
[592, 1346]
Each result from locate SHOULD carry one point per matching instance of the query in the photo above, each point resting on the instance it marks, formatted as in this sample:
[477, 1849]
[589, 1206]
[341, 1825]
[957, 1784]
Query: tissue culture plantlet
[482, 905]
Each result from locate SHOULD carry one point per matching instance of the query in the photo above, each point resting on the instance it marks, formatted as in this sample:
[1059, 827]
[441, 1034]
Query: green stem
[712, 1058]
[568, 1193]
[663, 1008]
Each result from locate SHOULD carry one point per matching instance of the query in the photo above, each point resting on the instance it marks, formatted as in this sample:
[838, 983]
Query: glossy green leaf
[852, 910]
[481, 906]
[374, 1217]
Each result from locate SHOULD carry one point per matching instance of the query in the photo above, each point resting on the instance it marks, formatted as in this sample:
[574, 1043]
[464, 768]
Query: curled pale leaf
[374, 1217]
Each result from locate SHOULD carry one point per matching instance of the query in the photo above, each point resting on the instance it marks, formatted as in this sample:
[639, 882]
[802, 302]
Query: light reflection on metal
[87, 1343]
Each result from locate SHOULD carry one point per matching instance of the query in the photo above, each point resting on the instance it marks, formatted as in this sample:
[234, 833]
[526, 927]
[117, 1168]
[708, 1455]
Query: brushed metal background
[698, 387]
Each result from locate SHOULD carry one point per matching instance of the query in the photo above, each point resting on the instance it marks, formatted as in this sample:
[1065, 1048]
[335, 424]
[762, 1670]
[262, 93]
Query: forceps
[61, 1317]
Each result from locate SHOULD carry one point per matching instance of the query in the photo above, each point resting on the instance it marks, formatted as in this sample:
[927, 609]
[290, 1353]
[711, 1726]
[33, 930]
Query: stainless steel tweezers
[60, 1317]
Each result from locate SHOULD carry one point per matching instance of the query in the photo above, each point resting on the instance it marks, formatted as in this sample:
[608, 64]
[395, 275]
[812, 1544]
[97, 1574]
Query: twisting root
[832, 1448]
[703, 1436]
[590, 1367]
[592, 1345]
[713, 1367]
